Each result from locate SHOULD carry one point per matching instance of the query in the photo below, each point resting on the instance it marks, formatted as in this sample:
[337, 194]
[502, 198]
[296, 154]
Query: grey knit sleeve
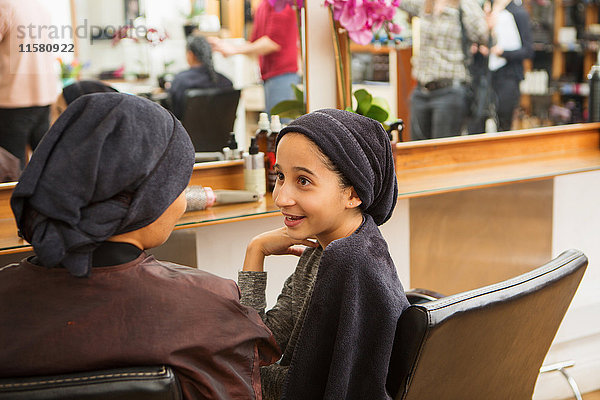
[279, 319]
[273, 379]
[252, 287]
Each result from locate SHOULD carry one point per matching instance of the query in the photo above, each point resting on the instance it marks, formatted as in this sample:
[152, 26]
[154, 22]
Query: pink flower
[361, 37]
[354, 16]
[363, 17]
[394, 28]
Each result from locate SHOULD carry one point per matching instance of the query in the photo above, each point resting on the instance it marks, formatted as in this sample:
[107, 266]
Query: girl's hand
[275, 242]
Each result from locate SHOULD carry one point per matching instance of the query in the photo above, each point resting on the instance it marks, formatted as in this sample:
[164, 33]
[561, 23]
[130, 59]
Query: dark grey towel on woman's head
[112, 163]
[360, 148]
[80, 88]
[346, 340]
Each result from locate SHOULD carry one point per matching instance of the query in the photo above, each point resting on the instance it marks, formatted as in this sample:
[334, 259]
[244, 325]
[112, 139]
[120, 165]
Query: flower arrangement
[70, 70]
[359, 21]
[152, 36]
[363, 18]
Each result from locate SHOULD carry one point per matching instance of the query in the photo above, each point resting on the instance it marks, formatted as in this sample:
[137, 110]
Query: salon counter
[423, 169]
[218, 175]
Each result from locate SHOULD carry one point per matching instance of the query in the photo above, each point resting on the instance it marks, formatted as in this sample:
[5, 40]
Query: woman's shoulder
[184, 276]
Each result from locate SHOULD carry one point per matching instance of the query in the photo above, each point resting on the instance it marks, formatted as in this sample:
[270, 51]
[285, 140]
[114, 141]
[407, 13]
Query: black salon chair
[208, 116]
[487, 343]
[134, 383]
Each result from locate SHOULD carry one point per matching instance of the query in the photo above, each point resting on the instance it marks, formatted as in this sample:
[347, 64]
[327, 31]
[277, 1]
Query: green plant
[376, 108]
[291, 108]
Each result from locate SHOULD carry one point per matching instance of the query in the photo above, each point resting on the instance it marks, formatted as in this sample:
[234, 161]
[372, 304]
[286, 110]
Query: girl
[336, 316]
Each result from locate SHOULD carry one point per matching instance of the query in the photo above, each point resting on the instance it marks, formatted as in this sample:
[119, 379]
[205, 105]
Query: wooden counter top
[423, 168]
[475, 161]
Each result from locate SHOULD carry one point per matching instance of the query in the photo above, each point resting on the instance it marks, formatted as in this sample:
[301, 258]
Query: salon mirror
[554, 91]
[230, 19]
[565, 62]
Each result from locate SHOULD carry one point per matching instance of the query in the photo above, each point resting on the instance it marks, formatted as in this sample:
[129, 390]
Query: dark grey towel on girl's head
[344, 347]
[360, 148]
[112, 163]
[80, 88]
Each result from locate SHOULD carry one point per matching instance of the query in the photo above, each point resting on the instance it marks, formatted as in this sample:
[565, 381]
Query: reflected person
[28, 83]
[201, 75]
[72, 92]
[275, 41]
[439, 102]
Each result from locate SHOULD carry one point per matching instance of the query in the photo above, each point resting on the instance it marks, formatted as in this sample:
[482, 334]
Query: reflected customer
[105, 184]
[439, 102]
[201, 75]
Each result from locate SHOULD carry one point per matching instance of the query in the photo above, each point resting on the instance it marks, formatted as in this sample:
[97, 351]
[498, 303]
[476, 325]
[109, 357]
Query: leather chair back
[487, 343]
[208, 117]
[135, 383]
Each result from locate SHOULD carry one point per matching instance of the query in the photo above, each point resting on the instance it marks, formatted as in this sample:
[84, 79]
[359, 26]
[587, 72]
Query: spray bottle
[270, 158]
[254, 169]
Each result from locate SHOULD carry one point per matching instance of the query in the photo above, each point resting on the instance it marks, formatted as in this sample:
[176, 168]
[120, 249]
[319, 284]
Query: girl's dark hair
[201, 49]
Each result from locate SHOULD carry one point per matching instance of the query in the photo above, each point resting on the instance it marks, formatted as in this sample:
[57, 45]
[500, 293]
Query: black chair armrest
[148, 383]
[419, 296]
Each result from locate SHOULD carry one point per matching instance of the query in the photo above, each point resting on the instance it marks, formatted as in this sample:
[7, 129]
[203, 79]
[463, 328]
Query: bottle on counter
[231, 152]
[254, 169]
[270, 155]
[262, 133]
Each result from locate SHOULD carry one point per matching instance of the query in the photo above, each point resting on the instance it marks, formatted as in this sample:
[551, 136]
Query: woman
[500, 68]
[104, 185]
[201, 75]
[336, 316]
[508, 55]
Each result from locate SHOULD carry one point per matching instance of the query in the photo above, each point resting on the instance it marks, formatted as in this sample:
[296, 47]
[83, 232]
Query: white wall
[576, 224]
[320, 70]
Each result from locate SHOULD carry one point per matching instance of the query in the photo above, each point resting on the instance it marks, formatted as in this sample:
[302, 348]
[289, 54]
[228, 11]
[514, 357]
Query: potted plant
[193, 18]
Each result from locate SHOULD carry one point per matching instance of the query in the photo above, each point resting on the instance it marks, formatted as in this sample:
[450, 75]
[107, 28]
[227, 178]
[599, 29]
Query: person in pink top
[275, 41]
[28, 82]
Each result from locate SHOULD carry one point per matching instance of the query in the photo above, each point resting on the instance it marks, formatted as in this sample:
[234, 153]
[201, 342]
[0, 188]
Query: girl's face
[309, 194]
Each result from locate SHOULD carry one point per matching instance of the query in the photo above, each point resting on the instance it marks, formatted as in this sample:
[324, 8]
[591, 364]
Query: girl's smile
[292, 220]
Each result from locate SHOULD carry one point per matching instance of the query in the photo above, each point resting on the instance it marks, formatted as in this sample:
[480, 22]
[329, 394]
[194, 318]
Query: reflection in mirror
[135, 63]
[150, 42]
[554, 90]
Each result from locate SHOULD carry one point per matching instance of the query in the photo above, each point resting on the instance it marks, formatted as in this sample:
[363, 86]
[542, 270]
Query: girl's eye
[303, 181]
[279, 176]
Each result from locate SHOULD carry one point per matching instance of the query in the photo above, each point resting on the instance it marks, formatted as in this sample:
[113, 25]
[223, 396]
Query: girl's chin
[295, 233]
